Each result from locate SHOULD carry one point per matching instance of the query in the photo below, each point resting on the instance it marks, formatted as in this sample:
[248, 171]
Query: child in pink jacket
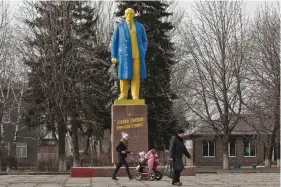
[152, 159]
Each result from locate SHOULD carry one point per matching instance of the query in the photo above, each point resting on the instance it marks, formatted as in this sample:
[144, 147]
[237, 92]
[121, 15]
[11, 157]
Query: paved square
[201, 180]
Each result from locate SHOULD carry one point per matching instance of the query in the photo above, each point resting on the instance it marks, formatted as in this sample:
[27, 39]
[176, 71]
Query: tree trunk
[2, 136]
[70, 142]
[109, 146]
[62, 163]
[225, 155]
[54, 132]
[9, 154]
[267, 163]
[86, 151]
[18, 118]
[267, 159]
[1, 142]
[76, 160]
[98, 148]
[62, 157]
[272, 139]
[278, 153]
[100, 143]
[94, 145]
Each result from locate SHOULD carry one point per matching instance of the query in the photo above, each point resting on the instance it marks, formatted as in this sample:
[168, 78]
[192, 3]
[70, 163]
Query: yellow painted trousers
[135, 82]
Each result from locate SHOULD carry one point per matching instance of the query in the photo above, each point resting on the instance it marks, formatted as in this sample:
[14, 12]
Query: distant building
[47, 148]
[20, 142]
[245, 147]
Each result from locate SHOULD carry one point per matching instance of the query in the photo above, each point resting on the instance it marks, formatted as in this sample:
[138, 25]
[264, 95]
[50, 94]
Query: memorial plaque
[131, 119]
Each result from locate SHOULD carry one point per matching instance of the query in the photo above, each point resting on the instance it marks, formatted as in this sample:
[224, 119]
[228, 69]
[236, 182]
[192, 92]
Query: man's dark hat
[180, 131]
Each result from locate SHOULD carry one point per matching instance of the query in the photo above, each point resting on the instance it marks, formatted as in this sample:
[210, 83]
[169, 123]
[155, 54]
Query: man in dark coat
[176, 150]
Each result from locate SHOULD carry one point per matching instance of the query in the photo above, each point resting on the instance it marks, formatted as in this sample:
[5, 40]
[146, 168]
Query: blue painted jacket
[121, 49]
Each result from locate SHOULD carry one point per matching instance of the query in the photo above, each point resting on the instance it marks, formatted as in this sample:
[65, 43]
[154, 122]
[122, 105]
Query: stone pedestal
[129, 116]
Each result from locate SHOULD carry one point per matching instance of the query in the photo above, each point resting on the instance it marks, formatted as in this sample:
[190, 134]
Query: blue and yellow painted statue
[128, 49]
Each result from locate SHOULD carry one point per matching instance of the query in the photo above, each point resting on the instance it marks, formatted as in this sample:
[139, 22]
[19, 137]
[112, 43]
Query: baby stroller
[147, 166]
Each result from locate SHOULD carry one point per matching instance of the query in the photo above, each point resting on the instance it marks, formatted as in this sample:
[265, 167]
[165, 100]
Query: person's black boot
[130, 177]
[114, 178]
[177, 183]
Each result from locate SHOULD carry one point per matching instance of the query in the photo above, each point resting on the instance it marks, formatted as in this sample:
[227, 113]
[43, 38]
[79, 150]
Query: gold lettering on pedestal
[130, 123]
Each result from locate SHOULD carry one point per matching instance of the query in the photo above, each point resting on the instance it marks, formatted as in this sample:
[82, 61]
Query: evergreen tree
[96, 99]
[48, 90]
[68, 80]
[159, 59]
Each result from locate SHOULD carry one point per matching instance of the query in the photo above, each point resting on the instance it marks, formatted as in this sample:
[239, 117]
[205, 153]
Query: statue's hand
[114, 60]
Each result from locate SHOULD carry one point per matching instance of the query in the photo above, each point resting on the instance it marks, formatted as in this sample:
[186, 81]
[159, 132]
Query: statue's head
[129, 14]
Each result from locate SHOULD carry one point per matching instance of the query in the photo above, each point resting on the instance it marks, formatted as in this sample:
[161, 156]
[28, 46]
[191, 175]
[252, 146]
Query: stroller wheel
[158, 175]
[151, 176]
[138, 176]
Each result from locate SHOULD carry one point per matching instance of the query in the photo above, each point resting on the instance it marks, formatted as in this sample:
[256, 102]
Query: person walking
[122, 149]
[176, 151]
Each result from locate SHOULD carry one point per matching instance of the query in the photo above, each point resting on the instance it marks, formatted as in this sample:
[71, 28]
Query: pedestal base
[108, 172]
[81, 172]
[131, 119]
[129, 102]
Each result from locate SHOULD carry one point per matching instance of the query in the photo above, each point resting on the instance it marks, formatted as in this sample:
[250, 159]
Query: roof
[248, 125]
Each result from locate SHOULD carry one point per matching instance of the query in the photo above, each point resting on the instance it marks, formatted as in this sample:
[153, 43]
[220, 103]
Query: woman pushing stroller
[122, 149]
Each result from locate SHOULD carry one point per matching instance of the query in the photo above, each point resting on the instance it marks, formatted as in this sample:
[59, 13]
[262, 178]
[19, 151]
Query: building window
[21, 150]
[208, 149]
[232, 149]
[249, 149]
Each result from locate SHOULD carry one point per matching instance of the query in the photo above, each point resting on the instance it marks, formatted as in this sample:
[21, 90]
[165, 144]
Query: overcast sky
[250, 5]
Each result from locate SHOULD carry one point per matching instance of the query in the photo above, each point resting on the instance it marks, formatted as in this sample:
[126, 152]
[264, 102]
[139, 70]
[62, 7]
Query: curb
[211, 172]
[37, 173]
[49, 173]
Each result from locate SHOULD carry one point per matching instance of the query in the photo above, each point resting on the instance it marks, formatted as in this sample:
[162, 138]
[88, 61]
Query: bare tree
[264, 75]
[4, 66]
[48, 54]
[176, 18]
[210, 81]
[12, 80]
[105, 21]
